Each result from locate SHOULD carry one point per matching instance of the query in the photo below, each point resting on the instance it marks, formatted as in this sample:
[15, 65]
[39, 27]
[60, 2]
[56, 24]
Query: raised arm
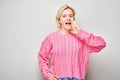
[95, 43]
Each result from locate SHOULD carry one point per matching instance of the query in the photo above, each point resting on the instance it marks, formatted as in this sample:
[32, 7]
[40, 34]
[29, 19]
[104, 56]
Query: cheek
[61, 21]
[72, 19]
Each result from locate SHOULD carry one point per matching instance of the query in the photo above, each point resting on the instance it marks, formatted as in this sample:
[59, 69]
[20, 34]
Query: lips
[68, 23]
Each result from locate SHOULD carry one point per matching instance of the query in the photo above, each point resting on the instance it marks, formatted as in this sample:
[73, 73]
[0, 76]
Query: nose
[68, 18]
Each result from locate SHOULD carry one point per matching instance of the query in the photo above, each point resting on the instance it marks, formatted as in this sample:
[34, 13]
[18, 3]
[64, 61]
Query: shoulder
[51, 35]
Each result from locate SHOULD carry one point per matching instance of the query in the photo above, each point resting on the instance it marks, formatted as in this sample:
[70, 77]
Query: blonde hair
[59, 13]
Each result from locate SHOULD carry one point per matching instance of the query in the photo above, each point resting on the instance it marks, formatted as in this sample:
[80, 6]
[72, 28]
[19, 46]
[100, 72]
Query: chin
[68, 27]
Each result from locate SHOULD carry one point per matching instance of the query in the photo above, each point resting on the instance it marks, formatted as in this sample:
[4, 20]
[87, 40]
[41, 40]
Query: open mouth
[68, 23]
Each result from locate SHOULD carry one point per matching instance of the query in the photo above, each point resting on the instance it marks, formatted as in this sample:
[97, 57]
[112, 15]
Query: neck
[63, 31]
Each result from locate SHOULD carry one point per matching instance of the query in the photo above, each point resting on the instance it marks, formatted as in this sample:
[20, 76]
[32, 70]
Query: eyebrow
[66, 14]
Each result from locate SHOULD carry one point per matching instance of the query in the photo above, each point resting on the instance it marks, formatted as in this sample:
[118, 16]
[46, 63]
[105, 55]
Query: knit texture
[66, 55]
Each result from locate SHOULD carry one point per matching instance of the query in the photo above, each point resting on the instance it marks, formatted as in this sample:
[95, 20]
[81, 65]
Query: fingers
[73, 23]
[75, 27]
[53, 77]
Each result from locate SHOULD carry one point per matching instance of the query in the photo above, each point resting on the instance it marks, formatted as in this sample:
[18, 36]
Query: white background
[25, 23]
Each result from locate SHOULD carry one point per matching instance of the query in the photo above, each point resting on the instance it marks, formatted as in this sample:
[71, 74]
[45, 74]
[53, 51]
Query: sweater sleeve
[43, 58]
[95, 43]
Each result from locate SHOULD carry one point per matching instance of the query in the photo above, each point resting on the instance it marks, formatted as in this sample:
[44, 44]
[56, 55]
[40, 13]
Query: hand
[53, 77]
[75, 27]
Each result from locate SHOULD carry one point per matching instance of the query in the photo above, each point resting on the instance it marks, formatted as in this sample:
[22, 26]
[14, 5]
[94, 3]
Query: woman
[64, 54]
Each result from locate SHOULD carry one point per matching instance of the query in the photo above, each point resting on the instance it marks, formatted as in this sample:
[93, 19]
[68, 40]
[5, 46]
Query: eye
[71, 15]
[63, 16]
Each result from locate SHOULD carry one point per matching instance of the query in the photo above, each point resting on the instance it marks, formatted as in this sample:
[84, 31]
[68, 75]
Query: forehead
[67, 11]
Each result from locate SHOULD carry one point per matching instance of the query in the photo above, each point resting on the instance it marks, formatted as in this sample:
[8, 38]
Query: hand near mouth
[75, 27]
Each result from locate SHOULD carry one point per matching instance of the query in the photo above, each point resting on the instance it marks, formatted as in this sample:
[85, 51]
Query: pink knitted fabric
[68, 53]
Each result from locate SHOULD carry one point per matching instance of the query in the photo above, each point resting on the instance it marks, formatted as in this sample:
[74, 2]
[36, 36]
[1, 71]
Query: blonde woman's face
[66, 18]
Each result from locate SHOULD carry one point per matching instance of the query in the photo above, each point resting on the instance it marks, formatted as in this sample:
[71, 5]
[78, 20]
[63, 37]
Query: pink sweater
[68, 53]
